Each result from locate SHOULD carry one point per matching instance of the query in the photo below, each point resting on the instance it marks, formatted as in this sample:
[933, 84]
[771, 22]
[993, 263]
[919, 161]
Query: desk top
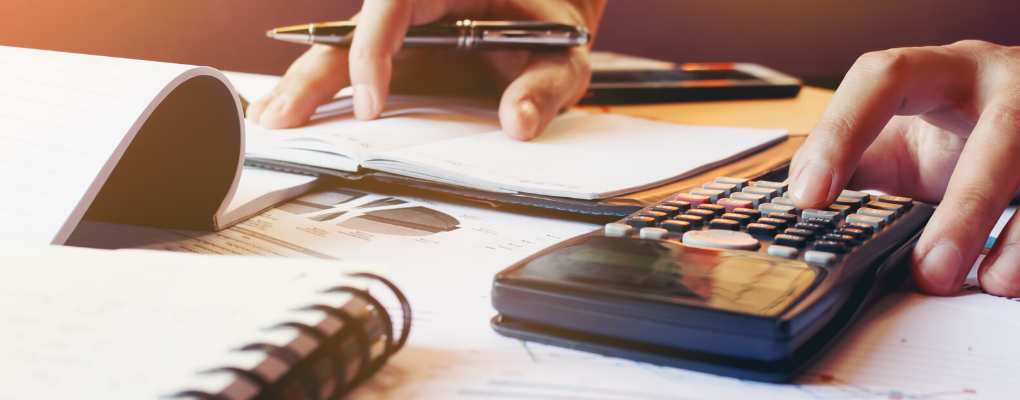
[798, 114]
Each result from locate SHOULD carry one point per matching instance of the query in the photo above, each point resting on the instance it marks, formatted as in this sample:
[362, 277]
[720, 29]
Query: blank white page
[578, 156]
[65, 119]
[139, 324]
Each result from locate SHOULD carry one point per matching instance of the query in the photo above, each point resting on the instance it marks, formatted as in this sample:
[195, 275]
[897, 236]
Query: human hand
[535, 86]
[939, 124]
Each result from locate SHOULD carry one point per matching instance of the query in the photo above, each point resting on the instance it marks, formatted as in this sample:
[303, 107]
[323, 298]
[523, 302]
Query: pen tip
[271, 33]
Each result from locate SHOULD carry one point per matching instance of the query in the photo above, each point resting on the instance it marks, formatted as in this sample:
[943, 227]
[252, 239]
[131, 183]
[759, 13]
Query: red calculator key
[733, 204]
[694, 199]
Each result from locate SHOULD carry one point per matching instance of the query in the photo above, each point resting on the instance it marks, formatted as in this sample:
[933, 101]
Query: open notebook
[141, 324]
[125, 141]
[457, 141]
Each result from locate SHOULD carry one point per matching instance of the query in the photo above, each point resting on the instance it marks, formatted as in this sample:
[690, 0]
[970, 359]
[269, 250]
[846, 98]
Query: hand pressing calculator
[730, 278]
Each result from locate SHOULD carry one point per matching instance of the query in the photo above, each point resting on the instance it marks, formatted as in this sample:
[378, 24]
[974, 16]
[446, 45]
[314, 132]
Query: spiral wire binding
[351, 326]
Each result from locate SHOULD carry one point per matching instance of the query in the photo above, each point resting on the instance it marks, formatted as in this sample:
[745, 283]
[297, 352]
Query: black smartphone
[689, 82]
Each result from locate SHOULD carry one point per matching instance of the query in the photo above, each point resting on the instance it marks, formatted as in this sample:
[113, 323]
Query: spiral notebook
[138, 324]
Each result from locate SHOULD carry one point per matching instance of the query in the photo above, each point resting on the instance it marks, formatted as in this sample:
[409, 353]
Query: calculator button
[830, 246]
[681, 205]
[819, 257]
[719, 239]
[750, 212]
[855, 195]
[841, 209]
[708, 215]
[725, 187]
[817, 229]
[778, 223]
[724, 224]
[789, 218]
[828, 224]
[740, 183]
[717, 209]
[693, 199]
[761, 229]
[783, 251]
[847, 240]
[888, 216]
[906, 202]
[669, 210]
[741, 218]
[857, 234]
[876, 223]
[654, 233]
[850, 202]
[786, 202]
[769, 208]
[712, 194]
[755, 199]
[813, 213]
[659, 216]
[790, 241]
[676, 225]
[695, 220]
[897, 208]
[867, 229]
[768, 193]
[733, 204]
[804, 233]
[780, 187]
[619, 230]
[640, 221]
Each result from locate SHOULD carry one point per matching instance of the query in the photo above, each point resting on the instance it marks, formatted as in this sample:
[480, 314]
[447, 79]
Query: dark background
[814, 39]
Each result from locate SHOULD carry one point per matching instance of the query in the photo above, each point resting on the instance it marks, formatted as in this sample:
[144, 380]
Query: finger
[311, 81]
[999, 273]
[382, 25]
[549, 83]
[982, 185]
[878, 86]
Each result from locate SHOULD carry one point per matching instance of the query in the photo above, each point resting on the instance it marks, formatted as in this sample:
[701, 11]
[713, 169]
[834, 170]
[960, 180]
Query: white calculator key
[812, 213]
[875, 222]
[888, 216]
[854, 195]
[819, 257]
[755, 199]
[619, 230]
[779, 208]
[654, 233]
[720, 239]
[727, 188]
[786, 202]
[783, 251]
[732, 181]
[711, 193]
[779, 186]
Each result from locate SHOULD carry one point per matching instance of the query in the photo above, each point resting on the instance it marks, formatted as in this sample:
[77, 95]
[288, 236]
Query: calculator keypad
[737, 214]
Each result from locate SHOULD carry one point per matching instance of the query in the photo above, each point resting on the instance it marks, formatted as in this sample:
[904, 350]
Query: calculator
[729, 278]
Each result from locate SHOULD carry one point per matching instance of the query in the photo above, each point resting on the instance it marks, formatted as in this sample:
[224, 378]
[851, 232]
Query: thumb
[549, 83]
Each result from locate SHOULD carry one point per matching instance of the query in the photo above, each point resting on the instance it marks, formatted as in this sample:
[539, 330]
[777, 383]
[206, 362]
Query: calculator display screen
[739, 281]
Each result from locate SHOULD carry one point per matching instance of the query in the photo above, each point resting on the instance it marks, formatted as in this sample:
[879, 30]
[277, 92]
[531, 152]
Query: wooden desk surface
[798, 114]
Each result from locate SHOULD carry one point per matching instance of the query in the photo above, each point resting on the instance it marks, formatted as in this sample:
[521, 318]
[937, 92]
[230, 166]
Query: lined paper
[578, 156]
[64, 120]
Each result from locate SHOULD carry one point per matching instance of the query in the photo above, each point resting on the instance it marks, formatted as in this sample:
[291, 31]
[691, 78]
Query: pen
[463, 35]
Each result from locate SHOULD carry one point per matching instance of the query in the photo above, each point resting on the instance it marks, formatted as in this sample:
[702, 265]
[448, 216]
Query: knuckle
[885, 62]
[976, 201]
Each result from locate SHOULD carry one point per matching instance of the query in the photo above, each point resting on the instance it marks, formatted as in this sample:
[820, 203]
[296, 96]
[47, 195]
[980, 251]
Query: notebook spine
[340, 361]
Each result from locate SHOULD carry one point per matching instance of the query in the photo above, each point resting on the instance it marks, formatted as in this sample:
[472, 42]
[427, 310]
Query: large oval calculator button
[719, 239]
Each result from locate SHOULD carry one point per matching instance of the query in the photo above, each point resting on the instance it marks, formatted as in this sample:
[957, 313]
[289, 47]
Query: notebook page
[134, 324]
[62, 117]
[578, 156]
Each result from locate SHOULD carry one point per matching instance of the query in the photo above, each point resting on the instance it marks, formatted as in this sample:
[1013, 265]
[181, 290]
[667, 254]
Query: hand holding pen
[535, 86]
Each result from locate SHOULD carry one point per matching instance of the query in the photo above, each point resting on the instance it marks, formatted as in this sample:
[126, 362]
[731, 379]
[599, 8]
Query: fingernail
[813, 183]
[527, 114]
[941, 267]
[1007, 266]
[364, 102]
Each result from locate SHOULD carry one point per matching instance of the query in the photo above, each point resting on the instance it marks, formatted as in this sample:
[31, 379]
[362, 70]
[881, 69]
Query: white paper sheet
[82, 323]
